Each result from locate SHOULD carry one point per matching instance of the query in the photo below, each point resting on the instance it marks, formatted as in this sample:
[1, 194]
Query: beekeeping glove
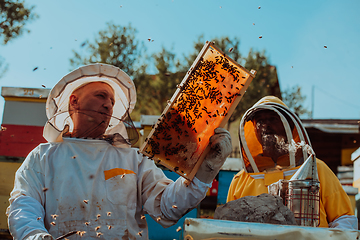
[220, 144]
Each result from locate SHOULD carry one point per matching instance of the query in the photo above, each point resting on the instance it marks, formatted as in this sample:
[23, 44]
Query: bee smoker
[302, 196]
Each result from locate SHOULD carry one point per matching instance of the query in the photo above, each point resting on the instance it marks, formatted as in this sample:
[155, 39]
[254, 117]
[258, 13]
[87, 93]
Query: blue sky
[294, 34]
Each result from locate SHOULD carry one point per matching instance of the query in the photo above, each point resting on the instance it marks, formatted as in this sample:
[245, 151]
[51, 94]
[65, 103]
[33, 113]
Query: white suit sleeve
[349, 222]
[26, 219]
[164, 200]
[183, 197]
[26, 211]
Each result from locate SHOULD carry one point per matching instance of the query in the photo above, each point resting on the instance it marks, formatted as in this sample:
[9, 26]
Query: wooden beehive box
[205, 99]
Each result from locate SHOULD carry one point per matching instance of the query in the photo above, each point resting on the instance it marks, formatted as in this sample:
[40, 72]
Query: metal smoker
[302, 196]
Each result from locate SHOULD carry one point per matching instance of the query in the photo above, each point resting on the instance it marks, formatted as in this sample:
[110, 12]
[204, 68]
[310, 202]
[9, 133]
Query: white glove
[40, 236]
[220, 144]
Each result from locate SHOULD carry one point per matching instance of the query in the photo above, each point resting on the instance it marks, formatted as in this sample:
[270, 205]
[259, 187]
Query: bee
[86, 201]
[43, 86]
[174, 206]
[140, 233]
[45, 189]
[230, 49]
[98, 234]
[122, 176]
[108, 213]
[178, 229]
[143, 217]
[109, 227]
[38, 218]
[87, 223]
[81, 233]
[73, 157]
[325, 46]
[260, 36]
[54, 216]
[158, 219]
[98, 216]
[35, 68]
[97, 228]
[53, 223]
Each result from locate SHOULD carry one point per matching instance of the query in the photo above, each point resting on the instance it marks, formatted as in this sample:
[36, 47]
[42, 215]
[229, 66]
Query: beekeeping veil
[121, 131]
[297, 141]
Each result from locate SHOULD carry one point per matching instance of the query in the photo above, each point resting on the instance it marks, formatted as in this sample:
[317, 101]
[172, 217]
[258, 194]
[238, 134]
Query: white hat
[57, 104]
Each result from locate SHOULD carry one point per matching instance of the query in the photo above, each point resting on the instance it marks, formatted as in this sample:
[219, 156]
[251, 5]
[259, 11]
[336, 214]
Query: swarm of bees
[214, 80]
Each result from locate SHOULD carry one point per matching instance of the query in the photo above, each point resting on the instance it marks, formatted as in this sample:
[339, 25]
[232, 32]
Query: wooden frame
[204, 100]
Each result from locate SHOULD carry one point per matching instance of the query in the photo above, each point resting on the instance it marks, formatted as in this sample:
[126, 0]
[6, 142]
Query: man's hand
[220, 144]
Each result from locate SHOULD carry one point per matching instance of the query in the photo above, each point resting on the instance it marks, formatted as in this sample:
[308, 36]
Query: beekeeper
[273, 145]
[87, 178]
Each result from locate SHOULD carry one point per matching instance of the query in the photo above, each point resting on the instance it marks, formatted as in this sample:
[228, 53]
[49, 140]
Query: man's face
[270, 132]
[93, 105]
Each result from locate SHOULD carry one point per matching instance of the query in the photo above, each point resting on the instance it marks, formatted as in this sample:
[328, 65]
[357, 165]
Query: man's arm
[26, 219]
[167, 202]
[336, 202]
[26, 212]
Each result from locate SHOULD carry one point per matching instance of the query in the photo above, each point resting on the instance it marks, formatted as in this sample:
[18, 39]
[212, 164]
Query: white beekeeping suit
[100, 188]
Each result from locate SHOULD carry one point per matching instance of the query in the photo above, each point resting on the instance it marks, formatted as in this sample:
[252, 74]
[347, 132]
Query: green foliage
[116, 45]
[293, 98]
[265, 83]
[13, 17]
[166, 80]
[223, 43]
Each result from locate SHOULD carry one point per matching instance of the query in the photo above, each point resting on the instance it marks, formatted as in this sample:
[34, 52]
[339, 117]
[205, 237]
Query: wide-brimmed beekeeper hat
[57, 104]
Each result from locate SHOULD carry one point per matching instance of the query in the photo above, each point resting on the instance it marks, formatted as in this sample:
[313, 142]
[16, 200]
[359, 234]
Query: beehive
[204, 100]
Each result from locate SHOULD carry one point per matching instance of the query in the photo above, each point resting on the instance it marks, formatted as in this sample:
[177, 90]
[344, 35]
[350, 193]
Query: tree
[13, 18]
[264, 83]
[168, 76]
[116, 45]
[223, 43]
[293, 98]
